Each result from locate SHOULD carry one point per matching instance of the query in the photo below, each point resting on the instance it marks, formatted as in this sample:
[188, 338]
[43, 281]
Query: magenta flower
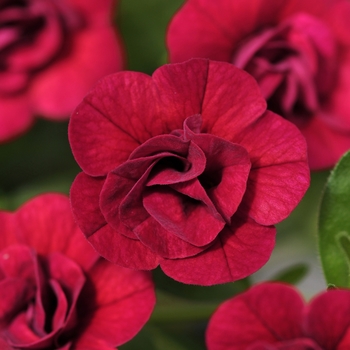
[52, 52]
[56, 292]
[273, 316]
[297, 50]
[185, 169]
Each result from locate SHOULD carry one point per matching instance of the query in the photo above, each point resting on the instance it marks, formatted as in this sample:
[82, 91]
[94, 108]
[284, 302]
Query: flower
[298, 51]
[56, 292]
[52, 52]
[185, 170]
[274, 316]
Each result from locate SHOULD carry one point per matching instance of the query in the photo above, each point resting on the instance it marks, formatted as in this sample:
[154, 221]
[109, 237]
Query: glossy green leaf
[334, 225]
[292, 274]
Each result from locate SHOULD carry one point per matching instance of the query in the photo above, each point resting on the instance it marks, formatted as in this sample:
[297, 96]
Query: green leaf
[334, 225]
[292, 274]
[343, 239]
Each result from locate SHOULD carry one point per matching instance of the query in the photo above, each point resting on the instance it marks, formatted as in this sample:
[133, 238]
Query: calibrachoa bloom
[297, 50]
[55, 290]
[273, 316]
[51, 53]
[185, 169]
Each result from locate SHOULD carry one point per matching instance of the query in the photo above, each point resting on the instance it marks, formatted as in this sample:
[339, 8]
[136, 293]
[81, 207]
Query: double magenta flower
[185, 169]
[298, 51]
[52, 52]
[56, 291]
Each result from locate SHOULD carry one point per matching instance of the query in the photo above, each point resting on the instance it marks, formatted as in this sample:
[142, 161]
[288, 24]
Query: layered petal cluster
[55, 290]
[51, 53]
[298, 51]
[185, 169]
[273, 316]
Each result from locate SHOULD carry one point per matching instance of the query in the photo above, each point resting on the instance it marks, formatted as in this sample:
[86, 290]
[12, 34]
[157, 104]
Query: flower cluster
[188, 169]
[298, 51]
[56, 292]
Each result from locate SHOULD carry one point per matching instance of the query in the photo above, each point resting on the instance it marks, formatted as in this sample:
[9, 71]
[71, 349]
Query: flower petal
[19, 333]
[230, 93]
[296, 344]
[15, 117]
[280, 174]
[210, 25]
[62, 308]
[163, 243]
[96, 51]
[326, 138]
[14, 294]
[46, 224]
[5, 346]
[8, 223]
[68, 281]
[337, 109]
[256, 315]
[123, 302]
[237, 252]
[122, 250]
[84, 197]
[226, 172]
[328, 318]
[106, 127]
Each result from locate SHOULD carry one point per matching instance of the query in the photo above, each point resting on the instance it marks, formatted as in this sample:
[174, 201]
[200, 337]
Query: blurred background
[41, 161]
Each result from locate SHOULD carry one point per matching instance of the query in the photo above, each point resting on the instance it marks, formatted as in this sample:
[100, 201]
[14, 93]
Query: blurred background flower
[272, 316]
[56, 292]
[298, 51]
[51, 53]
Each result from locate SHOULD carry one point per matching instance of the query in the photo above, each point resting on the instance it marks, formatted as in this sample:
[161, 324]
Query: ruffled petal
[107, 126]
[122, 250]
[237, 252]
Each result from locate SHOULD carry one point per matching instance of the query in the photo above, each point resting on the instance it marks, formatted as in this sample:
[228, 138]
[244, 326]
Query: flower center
[293, 63]
[172, 191]
[33, 34]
